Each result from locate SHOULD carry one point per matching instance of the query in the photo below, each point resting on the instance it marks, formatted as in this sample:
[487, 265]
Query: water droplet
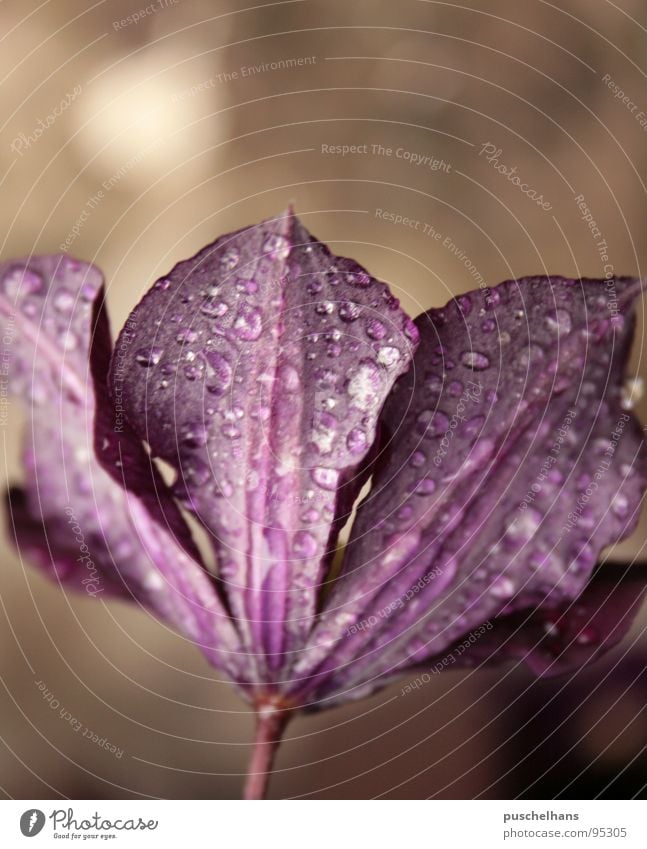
[230, 431]
[530, 355]
[388, 356]
[194, 434]
[249, 323]
[475, 360]
[417, 460]
[214, 308]
[587, 636]
[324, 432]
[349, 311]
[492, 299]
[196, 472]
[186, 336]
[325, 478]
[473, 426]
[425, 486]
[431, 423]
[219, 371]
[63, 300]
[356, 441]
[192, 372]
[359, 278]
[464, 303]
[162, 284]
[21, 281]
[304, 545]
[230, 259]
[502, 587]
[277, 245]
[148, 357]
[620, 505]
[375, 329]
[488, 325]
[559, 322]
[325, 308]
[364, 386]
[289, 378]
[524, 527]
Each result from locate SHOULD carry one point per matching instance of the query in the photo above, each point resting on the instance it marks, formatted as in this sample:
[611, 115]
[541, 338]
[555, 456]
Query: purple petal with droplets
[257, 370]
[71, 516]
[511, 463]
[551, 641]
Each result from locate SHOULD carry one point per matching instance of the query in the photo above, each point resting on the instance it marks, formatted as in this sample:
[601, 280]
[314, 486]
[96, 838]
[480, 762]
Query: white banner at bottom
[320, 824]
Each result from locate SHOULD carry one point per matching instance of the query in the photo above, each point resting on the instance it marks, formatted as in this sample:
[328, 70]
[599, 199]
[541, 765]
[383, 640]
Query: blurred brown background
[201, 117]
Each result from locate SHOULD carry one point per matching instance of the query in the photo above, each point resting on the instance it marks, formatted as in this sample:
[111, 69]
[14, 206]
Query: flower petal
[72, 516]
[257, 370]
[511, 464]
[551, 641]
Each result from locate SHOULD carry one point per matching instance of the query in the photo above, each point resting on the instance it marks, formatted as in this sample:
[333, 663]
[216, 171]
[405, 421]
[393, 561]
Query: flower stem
[270, 725]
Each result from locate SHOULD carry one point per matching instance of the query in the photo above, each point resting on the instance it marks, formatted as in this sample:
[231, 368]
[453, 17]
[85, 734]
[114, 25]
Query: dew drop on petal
[375, 329]
[364, 386]
[304, 545]
[426, 486]
[356, 441]
[148, 357]
[349, 311]
[325, 478]
[502, 587]
[388, 356]
[475, 360]
[417, 460]
[559, 321]
[194, 435]
[432, 423]
[230, 259]
[248, 324]
[63, 300]
[277, 245]
[186, 336]
[620, 505]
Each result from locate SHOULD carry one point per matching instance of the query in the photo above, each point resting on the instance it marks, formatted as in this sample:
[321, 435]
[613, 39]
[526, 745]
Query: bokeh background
[201, 117]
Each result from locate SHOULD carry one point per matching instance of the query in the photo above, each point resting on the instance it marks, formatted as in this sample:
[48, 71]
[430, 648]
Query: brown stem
[270, 725]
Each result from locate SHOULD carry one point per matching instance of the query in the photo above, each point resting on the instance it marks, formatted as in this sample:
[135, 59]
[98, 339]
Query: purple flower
[276, 380]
